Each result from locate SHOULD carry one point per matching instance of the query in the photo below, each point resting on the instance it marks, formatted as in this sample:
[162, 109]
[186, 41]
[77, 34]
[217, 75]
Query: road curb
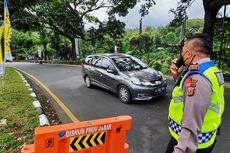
[42, 117]
[38, 107]
[43, 120]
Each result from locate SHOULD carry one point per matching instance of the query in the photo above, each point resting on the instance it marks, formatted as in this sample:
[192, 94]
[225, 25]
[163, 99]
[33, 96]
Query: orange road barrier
[97, 136]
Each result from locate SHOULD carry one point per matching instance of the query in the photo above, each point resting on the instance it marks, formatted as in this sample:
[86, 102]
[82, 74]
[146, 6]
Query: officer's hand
[175, 71]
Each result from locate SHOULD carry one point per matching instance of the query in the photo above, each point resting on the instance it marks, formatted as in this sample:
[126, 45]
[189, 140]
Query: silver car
[124, 75]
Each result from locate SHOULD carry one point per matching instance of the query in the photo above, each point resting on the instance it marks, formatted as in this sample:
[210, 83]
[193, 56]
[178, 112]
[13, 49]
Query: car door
[109, 75]
[96, 71]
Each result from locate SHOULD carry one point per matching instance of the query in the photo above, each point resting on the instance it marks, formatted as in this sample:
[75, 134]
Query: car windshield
[129, 63]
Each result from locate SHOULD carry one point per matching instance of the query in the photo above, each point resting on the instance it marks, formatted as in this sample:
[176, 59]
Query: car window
[103, 63]
[140, 62]
[106, 64]
[128, 64]
[97, 62]
[88, 60]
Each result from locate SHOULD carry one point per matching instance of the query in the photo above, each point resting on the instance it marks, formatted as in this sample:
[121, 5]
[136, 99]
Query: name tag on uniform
[220, 78]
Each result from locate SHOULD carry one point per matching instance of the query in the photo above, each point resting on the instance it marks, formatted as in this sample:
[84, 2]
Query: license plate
[159, 90]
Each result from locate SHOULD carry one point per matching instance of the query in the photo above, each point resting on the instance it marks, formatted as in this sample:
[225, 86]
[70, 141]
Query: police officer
[197, 99]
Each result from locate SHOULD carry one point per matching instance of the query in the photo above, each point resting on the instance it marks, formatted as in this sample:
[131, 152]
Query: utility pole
[222, 38]
[141, 25]
[183, 29]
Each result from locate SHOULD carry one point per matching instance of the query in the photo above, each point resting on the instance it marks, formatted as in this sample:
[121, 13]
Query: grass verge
[17, 108]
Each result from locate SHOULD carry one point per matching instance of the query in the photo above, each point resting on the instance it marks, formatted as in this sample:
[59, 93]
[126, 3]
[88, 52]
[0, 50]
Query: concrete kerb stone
[28, 85]
[42, 117]
[38, 107]
[43, 120]
[37, 104]
[33, 95]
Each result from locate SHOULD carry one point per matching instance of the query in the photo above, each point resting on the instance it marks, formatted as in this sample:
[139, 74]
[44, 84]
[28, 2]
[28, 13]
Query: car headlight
[162, 75]
[135, 81]
[146, 83]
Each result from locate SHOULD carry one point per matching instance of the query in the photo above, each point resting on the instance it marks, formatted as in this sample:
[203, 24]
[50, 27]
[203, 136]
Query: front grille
[157, 82]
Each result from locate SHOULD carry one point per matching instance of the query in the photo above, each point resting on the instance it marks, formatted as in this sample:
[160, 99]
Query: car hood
[144, 74]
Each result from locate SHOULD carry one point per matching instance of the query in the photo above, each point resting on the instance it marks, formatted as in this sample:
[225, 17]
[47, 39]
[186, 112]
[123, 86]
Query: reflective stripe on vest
[203, 137]
[212, 118]
[178, 99]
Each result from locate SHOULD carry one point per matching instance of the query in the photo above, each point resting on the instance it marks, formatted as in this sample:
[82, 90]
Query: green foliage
[225, 61]
[170, 38]
[195, 25]
[61, 46]
[160, 60]
[23, 44]
[157, 65]
[57, 23]
[17, 108]
[67, 18]
[142, 42]
[158, 41]
[125, 47]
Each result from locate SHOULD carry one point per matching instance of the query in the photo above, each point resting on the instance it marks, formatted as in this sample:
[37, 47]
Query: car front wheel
[88, 82]
[124, 94]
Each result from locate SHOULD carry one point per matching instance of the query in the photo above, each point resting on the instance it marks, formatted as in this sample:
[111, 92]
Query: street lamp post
[140, 37]
[222, 38]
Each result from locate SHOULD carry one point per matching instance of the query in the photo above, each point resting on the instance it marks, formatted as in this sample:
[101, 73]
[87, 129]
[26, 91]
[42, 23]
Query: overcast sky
[158, 14]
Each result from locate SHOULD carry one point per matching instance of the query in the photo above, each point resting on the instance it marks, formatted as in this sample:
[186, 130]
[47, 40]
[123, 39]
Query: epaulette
[194, 67]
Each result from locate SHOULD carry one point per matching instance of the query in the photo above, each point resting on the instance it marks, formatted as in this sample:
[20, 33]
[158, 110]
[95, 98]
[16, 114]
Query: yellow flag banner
[1, 58]
[7, 32]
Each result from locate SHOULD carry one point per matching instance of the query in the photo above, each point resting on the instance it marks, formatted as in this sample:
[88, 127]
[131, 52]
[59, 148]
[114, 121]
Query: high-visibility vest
[213, 115]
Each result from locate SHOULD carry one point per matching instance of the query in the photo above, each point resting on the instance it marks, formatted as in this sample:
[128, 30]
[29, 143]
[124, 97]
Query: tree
[62, 46]
[23, 44]
[158, 41]
[225, 58]
[170, 38]
[68, 17]
[142, 43]
[211, 8]
[194, 26]
[109, 31]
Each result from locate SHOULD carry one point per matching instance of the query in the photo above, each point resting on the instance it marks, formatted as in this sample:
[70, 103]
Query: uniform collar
[203, 60]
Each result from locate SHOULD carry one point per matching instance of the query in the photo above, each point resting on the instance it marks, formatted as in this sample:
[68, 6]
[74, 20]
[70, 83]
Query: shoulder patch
[220, 78]
[190, 86]
[191, 91]
[190, 82]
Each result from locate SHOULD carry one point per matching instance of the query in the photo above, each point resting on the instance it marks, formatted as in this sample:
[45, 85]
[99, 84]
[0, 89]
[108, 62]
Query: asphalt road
[149, 132]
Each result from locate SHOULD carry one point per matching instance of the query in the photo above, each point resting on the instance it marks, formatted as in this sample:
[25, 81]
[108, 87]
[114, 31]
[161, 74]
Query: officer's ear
[189, 53]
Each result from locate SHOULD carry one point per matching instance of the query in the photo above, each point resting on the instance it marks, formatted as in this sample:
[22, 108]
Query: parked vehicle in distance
[125, 75]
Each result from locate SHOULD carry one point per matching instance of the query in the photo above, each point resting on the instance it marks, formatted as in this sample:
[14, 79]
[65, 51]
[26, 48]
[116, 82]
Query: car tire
[88, 82]
[124, 94]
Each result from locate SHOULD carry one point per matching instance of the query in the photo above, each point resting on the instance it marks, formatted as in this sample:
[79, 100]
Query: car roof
[110, 55]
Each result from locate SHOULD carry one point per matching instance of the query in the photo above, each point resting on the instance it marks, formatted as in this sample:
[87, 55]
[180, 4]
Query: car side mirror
[112, 71]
